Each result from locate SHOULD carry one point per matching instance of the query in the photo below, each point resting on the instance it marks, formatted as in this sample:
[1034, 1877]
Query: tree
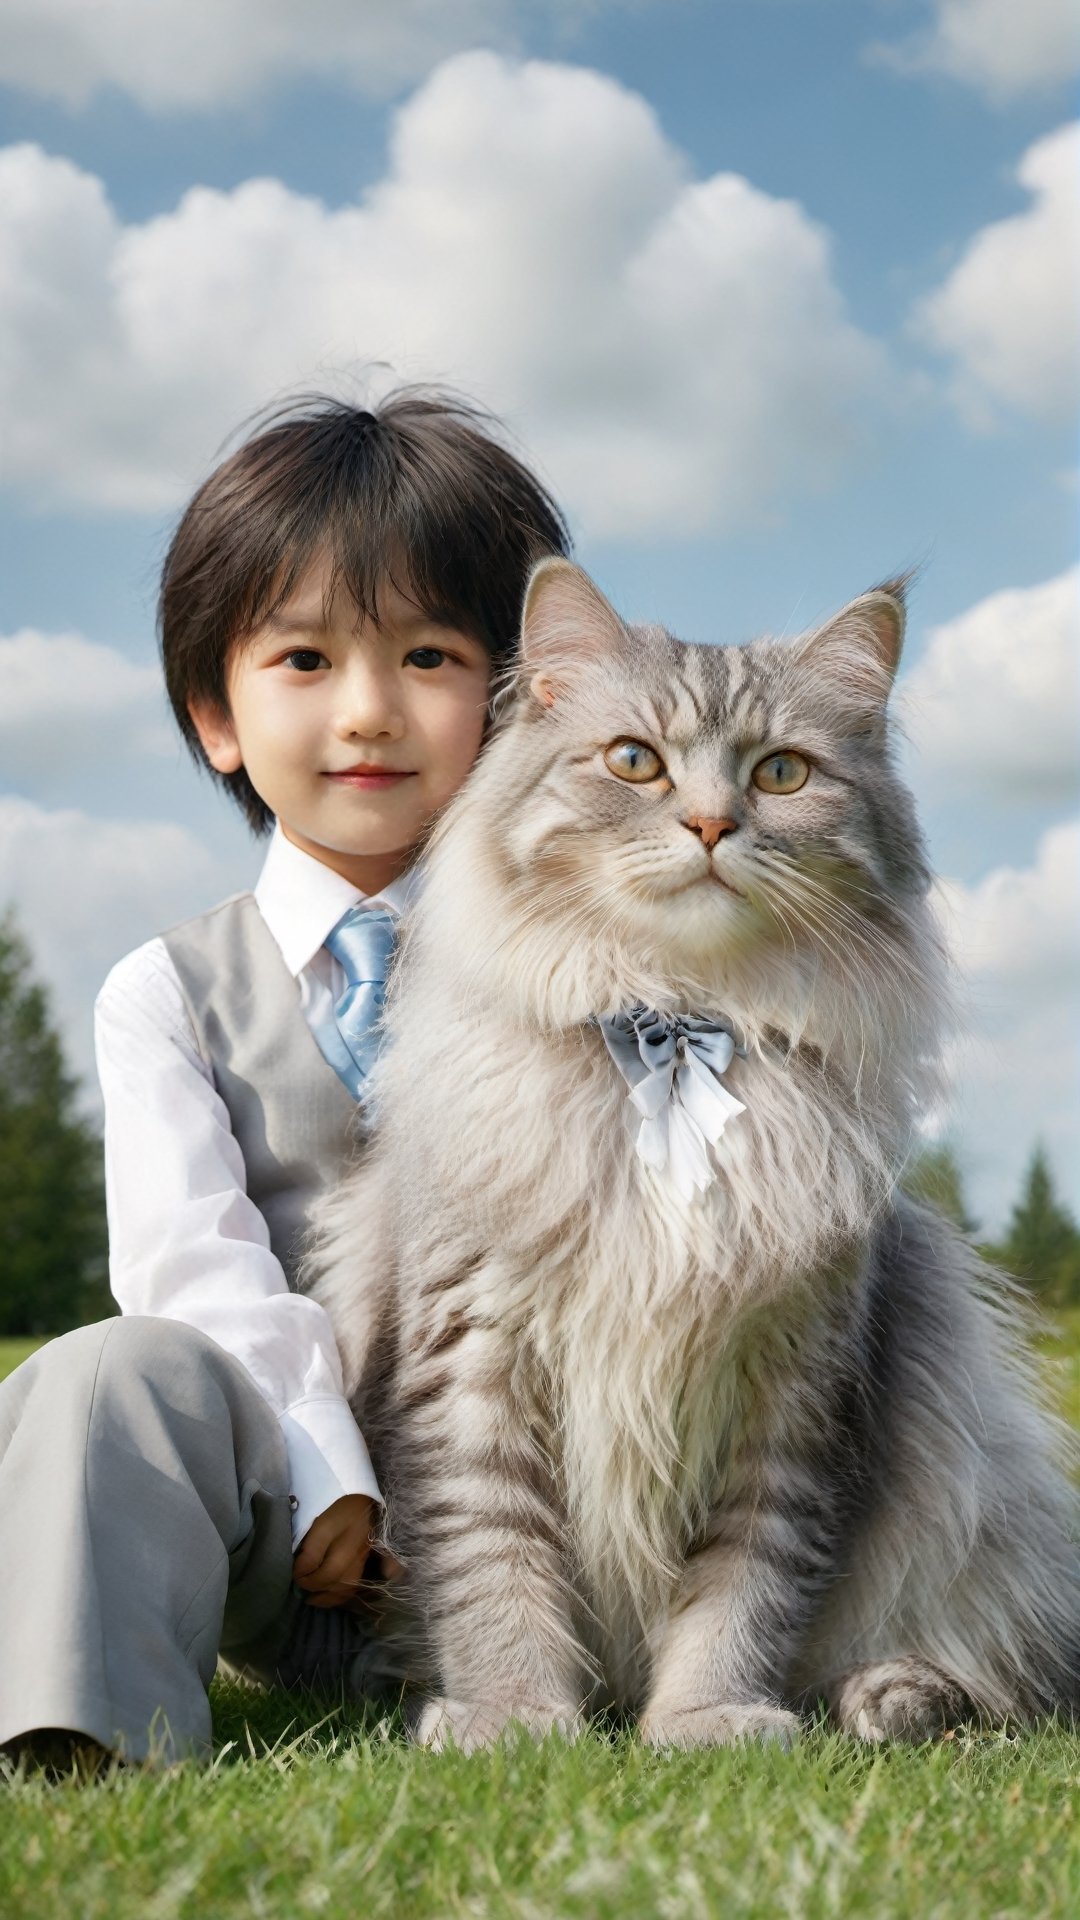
[1042, 1240]
[52, 1206]
[934, 1177]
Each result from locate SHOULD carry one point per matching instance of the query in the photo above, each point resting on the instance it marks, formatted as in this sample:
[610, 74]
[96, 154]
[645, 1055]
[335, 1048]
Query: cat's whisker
[814, 923]
[580, 921]
[871, 940]
[812, 919]
[861, 927]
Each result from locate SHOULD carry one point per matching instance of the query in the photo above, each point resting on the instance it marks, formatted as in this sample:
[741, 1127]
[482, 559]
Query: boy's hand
[329, 1562]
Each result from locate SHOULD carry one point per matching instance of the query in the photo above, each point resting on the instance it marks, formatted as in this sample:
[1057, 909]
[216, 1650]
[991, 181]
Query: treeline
[53, 1265]
[1041, 1242]
[53, 1244]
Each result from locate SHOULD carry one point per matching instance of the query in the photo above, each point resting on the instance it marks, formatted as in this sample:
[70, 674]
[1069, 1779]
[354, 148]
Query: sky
[780, 296]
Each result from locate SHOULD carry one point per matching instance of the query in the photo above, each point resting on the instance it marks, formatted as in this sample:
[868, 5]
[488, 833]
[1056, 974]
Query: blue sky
[781, 294]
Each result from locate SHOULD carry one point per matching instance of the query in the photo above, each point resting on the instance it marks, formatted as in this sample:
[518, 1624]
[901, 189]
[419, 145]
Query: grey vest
[291, 1115]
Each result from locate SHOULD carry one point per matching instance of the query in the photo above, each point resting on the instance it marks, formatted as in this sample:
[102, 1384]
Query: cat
[716, 1438]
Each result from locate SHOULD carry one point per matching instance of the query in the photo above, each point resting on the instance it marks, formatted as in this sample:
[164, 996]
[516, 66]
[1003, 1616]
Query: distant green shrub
[53, 1238]
[1041, 1243]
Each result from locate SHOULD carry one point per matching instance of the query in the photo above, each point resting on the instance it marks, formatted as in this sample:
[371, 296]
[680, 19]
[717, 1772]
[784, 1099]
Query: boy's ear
[217, 735]
[565, 624]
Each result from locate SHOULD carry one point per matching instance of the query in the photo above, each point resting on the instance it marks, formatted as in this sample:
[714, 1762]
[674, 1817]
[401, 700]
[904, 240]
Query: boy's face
[353, 735]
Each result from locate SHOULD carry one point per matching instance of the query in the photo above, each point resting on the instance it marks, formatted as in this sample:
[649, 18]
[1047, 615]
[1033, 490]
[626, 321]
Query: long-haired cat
[678, 1402]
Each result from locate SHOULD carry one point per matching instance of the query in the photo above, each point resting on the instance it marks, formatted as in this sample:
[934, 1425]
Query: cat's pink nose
[710, 831]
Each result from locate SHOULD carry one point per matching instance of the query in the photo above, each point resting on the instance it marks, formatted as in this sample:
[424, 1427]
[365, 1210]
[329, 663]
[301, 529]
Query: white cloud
[70, 704]
[205, 54]
[86, 891]
[674, 350]
[992, 707]
[1004, 48]
[1009, 312]
[1017, 937]
[201, 55]
[1020, 927]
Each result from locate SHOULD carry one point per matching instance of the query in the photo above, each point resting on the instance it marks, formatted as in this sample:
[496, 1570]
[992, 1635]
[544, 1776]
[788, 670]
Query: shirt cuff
[327, 1459]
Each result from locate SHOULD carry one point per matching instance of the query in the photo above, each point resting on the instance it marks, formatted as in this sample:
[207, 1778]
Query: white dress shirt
[184, 1239]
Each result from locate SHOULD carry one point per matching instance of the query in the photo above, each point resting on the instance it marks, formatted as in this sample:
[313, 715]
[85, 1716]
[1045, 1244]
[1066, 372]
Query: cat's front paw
[903, 1699]
[720, 1724]
[472, 1724]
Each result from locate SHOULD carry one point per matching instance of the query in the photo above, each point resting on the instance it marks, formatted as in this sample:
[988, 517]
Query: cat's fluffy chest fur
[661, 1373]
[644, 1334]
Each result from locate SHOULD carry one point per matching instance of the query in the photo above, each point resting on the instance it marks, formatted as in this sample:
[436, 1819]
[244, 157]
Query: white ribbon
[672, 1065]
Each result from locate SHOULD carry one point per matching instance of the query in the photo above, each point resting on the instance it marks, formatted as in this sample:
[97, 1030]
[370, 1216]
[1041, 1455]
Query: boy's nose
[371, 710]
[372, 725]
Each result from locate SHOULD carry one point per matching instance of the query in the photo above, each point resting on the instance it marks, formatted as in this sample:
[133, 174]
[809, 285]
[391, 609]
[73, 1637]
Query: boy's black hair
[418, 490]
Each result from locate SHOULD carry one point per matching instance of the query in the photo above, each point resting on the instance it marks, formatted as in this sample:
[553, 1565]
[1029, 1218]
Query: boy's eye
[425, 657]
[304, 659]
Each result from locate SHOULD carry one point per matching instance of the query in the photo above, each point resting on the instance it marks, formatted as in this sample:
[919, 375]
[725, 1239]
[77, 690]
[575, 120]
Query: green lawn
[348, 1821]
[341, 1818]
[1064, 1350]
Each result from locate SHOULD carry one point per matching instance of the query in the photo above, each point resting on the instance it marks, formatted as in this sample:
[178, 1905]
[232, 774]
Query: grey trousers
[144, 1511]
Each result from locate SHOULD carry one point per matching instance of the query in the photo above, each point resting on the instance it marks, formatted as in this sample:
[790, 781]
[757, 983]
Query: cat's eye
[633, 760]
[781, 773]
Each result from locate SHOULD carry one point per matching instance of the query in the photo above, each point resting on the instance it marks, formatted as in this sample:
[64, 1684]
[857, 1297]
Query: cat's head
[720, 826]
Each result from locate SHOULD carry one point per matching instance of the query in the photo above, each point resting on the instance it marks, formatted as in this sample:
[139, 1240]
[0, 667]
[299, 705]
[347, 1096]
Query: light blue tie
[363, 941]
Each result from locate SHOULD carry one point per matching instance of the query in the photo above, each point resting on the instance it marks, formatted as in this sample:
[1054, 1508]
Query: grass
[1063, 1347]
[313, 1808]
[347, 1820]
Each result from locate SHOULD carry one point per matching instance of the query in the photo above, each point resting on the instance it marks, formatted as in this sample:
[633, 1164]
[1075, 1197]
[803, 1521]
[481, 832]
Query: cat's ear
[566, 623]
[860, 648]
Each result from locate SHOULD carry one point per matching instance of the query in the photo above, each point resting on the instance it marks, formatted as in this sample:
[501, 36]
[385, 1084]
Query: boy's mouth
[370, 777]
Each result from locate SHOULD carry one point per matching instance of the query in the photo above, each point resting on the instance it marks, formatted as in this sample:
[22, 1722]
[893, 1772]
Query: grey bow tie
[672, 1064]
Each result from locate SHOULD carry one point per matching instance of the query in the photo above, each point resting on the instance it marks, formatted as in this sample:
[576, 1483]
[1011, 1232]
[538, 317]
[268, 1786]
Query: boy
[189, 1479]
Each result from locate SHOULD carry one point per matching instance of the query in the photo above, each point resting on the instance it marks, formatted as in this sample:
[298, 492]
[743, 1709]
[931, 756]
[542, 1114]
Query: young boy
[188, 1479]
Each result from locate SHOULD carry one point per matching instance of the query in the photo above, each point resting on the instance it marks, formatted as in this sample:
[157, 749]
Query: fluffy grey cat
[679, 1403]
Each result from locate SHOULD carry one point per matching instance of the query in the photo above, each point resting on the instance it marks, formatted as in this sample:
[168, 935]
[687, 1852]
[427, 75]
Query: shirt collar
[301, 899]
